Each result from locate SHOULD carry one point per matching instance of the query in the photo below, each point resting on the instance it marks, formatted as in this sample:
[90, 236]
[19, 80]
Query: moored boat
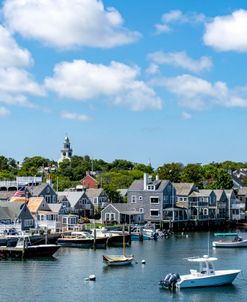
[117, 260]
[204, 277]
[24, 249]
[237, 241]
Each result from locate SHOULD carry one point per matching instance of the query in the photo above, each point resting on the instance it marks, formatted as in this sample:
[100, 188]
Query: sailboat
[118, 260]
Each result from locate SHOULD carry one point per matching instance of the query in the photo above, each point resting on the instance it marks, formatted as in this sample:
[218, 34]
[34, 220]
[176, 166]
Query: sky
[146, 81]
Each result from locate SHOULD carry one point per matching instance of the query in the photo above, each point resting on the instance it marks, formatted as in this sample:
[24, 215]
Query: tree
[222, 180]
[113, 195]
[170, 172]
[192, 173]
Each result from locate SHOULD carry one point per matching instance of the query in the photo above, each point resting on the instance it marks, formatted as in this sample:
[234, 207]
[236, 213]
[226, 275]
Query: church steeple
[66, 152]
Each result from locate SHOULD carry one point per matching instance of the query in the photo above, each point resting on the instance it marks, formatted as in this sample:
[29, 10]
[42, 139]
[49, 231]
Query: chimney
[145, 181]
[157, 177]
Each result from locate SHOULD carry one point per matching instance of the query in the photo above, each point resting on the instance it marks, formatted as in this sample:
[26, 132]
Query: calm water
[63, 279]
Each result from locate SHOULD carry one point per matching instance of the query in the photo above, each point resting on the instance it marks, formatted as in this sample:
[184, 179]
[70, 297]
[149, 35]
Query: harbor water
[63, 278]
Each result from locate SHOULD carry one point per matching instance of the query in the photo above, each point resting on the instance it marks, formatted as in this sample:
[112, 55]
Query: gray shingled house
[44, 190]
[152, 197]
[121, 213]
[16, 214]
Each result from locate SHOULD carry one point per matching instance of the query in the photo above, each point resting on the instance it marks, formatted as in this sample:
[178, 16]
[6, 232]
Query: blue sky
[160, 81]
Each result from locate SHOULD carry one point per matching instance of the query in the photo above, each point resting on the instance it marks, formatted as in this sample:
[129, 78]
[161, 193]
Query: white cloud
[4, 111]
[227, 33]
[181, 59]
[68, 24]
[186, 116]
[75, 116]
[177, 16]
[83, 81]
[198, 94]
[15, 84]
[10, 53]
[152, 69]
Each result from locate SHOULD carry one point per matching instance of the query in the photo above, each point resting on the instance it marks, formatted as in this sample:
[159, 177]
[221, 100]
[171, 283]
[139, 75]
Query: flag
[20, 192]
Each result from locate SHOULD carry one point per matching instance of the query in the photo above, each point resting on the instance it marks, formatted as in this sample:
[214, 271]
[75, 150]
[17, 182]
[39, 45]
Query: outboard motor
[170, 281]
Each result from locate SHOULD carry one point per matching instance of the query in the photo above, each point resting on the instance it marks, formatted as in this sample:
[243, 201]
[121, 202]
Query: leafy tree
[192, 173]
[113, 194]
[144, 168]
[222, 180]
[171, 172]
[121, 164]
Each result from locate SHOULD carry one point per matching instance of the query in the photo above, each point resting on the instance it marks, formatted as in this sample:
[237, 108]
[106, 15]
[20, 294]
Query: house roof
[94, 192]
[124, 208]
[10, 210]
[229, 193]
[6, 195]
[72, 196]
[242, 191]
[218, 193]
[36, 190]
[34, 203]
[201, 193]
[138, 185]
[55, 207]
[183, 188]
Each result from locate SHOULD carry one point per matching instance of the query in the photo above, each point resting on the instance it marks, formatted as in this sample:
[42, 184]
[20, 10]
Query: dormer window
[151, 187]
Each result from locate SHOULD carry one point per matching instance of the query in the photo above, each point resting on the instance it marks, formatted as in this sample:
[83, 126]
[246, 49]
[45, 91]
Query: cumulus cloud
[15, 84]
[68, 24]
[10, 53]
[4, 111]
[198, 94]
[227, 33]
[75, 116]
[177, 16]
[117, 82]
[181, 59]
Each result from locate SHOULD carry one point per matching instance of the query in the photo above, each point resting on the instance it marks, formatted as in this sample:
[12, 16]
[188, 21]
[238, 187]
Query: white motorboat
[237, 241]
[205, 276]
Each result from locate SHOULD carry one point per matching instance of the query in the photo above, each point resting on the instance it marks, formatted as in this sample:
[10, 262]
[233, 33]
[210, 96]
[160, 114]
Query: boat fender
[143, 261]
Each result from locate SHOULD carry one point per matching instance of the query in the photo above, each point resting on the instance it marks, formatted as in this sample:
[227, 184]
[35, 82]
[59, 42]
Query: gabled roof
[10, 210]
[6, 195]
[34, 203]
[93, 192]
[72, 196]
[184, 188]
[202, 193]
[124, 208]
[218, 193]
[122, 192]
[138, 185]
[55, 207]
[230, 193]
[36, 190]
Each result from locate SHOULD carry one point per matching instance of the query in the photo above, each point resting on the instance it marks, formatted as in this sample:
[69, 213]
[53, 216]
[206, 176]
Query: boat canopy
[225, 234]
[205, 258]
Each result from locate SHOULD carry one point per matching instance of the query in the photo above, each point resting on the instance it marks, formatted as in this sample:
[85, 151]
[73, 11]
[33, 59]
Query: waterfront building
[15, 214]
[151, 197]
[121, 213]
[221, 204]
[76, 203]
[44, 190]
[242, 195]
[98, 198]
[235, 206]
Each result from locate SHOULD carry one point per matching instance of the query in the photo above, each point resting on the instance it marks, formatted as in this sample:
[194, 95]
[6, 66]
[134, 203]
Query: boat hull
[83, 242]
[114, 260]
[218, 279]
[230, 244]
[46, 250]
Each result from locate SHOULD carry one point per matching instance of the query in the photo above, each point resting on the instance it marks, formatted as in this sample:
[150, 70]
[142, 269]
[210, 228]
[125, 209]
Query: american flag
[20, 192]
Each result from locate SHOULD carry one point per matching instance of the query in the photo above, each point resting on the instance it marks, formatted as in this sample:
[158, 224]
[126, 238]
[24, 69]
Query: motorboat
[24, 249]
[82, 240]
[237, 241]
[204, 277]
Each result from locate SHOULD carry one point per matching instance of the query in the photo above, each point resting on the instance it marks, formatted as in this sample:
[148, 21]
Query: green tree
[192, 173]
[171, 172]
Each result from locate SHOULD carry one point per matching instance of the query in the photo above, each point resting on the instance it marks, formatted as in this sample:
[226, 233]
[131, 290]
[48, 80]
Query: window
[141, 210]
[28, 222]
[140, 198]
[133, 198]
[95, 200]
[154, 213]
[109, 216]
[154, 199]
[150, 187]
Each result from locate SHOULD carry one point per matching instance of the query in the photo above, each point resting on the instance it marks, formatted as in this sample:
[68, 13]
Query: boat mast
[124, 250]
